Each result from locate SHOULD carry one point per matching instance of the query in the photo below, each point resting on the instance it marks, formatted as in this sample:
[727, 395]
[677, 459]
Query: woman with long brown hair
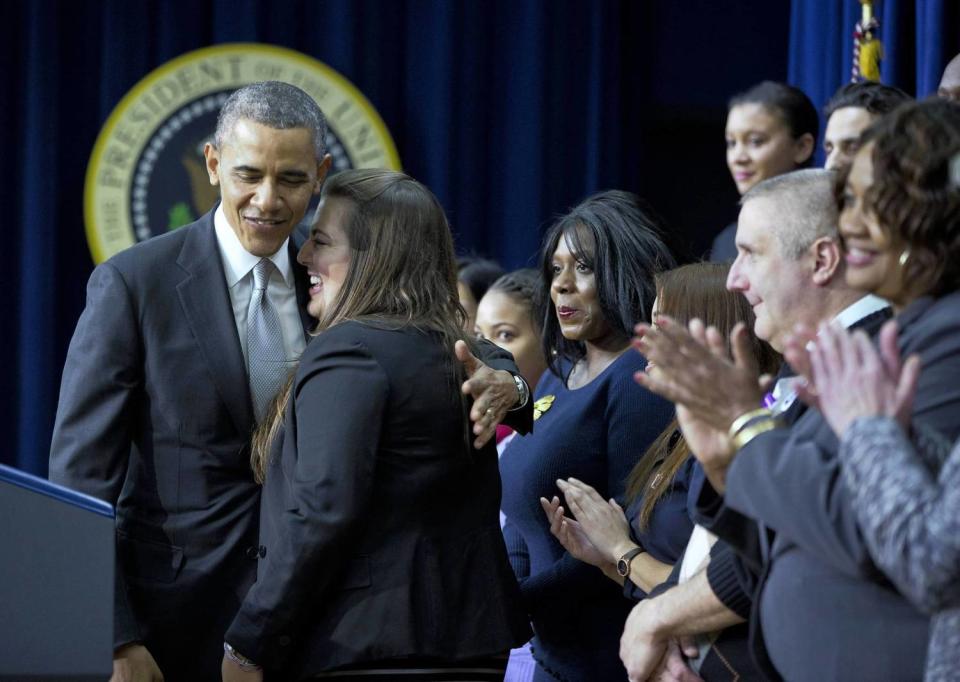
[381, 550]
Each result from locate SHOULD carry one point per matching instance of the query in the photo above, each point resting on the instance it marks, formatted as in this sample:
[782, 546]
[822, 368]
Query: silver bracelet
[238, 658]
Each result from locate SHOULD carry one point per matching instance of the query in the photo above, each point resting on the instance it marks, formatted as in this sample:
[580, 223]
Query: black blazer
[380, 525]
[155, 417]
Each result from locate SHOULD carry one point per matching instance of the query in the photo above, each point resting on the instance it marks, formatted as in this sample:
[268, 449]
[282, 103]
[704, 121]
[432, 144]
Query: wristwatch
[623, 564]
[523, 390]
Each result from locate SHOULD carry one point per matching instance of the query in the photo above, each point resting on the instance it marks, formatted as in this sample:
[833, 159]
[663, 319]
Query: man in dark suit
[172, 364]
[790, 268]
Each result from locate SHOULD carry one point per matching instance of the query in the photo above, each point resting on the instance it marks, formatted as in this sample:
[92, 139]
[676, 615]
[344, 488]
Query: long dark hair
[402, 271]
[697, 290]
[627, 251]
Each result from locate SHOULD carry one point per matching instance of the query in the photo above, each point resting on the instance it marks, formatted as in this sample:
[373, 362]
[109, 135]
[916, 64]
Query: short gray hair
[276, 105]
[805, 205]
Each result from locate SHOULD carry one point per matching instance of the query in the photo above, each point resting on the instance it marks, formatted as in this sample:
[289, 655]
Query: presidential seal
[147, 175]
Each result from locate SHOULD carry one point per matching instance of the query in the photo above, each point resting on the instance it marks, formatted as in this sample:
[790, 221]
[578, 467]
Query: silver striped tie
[266, 361]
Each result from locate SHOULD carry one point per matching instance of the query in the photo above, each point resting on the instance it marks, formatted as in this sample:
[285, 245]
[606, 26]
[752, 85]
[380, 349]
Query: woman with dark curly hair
[900, 221]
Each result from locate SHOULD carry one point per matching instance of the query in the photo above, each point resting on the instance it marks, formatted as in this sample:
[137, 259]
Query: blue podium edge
[42, 486]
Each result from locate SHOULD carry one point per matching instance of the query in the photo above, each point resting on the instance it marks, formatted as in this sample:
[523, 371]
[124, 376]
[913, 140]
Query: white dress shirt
[238, 264]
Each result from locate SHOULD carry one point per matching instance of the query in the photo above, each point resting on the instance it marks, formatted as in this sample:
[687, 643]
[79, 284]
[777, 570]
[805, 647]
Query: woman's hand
[603, 522]
[570, 534]
[853, 380]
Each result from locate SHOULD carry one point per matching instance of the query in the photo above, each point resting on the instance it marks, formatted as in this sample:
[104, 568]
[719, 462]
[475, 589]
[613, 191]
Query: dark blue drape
[511, 110]
[919, 37]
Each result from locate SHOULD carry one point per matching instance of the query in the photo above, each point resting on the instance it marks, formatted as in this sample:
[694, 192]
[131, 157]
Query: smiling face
[508, 322]
[267, 177]
[872, 255]
[842, 137]
[327, 255]
[573, 291]
[759, 145]
[777, 288]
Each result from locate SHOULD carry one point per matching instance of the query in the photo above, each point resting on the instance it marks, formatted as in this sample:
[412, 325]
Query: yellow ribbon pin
[542, 406]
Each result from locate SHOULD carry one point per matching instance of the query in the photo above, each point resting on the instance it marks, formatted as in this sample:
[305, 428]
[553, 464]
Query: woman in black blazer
[381, 547]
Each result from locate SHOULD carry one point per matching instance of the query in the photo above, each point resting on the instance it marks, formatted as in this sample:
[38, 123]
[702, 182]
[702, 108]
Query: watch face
[623, 567]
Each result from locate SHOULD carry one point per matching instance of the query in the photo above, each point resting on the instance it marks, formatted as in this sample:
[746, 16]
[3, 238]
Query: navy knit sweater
[595, 433]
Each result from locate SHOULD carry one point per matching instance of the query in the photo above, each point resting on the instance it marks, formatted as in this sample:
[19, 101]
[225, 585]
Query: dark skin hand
[493, 391]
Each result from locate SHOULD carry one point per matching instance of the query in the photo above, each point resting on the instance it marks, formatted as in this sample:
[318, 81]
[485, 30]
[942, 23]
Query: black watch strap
[623, 564]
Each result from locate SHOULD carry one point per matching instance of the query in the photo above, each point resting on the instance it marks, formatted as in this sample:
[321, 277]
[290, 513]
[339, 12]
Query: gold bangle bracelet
[742, 420]
[748, 434]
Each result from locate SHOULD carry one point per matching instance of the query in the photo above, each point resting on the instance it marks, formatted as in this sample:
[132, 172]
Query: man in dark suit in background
[183, 341]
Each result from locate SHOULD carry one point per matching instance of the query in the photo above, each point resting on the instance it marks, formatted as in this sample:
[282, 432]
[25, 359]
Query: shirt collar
[784, 391]
[860, 309]
[237, 261]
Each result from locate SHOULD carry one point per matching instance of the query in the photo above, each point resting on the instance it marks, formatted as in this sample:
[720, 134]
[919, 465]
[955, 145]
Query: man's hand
[493, 392]
[642, 650]
[674, 668]
[232, 672]
[710, 446]
[694, 370]
[133, 663]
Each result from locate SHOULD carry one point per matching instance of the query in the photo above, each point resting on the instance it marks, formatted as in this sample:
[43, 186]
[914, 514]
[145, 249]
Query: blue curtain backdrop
[919, 37]
[511, 110]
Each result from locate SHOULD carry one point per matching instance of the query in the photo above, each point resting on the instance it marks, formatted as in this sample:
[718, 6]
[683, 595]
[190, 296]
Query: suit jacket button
[263, 551]
[252, 552]
[283, 640]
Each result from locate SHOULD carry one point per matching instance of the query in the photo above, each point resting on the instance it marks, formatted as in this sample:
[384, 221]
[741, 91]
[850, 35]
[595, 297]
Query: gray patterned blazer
[910, 518]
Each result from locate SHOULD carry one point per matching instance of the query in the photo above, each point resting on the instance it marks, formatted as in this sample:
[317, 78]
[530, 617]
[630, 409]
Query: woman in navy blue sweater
[593, 423]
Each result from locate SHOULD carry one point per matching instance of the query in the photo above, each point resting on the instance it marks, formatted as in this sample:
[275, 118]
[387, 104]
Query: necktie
[266, 361]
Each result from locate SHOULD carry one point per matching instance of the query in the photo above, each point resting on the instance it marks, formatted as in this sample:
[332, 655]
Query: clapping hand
[570, 534]
[694, 369]
[847, 377]
[603, 521]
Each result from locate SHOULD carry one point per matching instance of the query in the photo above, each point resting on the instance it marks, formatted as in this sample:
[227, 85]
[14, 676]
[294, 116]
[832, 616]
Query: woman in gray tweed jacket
[900, 222]
[909, 515]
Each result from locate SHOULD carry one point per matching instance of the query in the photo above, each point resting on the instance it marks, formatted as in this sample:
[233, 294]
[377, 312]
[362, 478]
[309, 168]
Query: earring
[904, 257]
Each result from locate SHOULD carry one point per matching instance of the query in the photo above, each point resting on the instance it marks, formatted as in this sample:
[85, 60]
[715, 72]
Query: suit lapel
[209, 312]
[872, 323]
